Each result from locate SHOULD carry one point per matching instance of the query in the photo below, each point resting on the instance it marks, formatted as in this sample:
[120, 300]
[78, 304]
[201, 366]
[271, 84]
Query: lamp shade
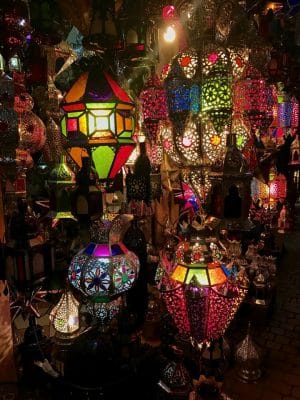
[99, 118]
[65, 315]
[198, 294]
[102, 271]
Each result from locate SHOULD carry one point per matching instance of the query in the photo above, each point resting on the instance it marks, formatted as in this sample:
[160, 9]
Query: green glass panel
[74, 114]
[63, 125]
[103, 158]
[125, 135]
[123, 140]
[100, 105]
[199, 274]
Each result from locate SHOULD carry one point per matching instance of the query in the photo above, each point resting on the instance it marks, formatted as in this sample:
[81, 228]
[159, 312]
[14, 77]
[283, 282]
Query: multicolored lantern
[99, 120]
[153, 106]
[102, 271]
[199, 296]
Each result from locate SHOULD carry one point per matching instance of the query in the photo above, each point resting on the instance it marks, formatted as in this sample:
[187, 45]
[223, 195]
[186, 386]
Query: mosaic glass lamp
[99, 121]
[102, 271]
[198, 295]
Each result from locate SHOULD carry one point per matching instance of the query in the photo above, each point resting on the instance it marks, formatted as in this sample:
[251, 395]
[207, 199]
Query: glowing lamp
[252, 99]
[154, 105]
[65, 315]
[278, 188]
[198, 295]
[102, 271]
[98, 118]
[170, 34]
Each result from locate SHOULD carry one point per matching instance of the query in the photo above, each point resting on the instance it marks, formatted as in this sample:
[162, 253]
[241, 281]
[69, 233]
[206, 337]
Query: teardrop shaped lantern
[65, 315]
[99, 120]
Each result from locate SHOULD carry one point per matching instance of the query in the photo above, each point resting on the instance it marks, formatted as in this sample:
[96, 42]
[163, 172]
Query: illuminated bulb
[170, 34]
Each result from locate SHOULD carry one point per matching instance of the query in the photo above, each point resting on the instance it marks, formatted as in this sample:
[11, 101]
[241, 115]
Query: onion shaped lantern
[199, 296]
[252, 99]
[102, 271]
[65, 315]
[99, 120]
[154, 106]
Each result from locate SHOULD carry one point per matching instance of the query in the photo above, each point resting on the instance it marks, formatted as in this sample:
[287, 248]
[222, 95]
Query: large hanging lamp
[99, 121]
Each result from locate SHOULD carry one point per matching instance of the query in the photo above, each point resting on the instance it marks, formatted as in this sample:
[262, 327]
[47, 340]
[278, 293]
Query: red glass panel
[120, 159]
[73, 107]
[72, 124]
[118, 91]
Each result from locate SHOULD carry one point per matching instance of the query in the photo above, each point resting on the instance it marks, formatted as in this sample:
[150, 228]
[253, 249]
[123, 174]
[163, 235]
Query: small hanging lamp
[65, 315]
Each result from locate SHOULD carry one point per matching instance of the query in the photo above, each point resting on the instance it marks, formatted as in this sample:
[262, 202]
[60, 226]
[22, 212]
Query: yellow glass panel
[82, 124]
[179, 273]
[100, 105]
[216, 276]
[77, 90]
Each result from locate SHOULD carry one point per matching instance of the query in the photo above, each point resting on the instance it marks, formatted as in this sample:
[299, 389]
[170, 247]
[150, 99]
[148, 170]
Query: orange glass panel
[216, 276]
[120, 123]
[122, 106]
[128, 124]
[77, 153]
[179, 273]
[78, 89]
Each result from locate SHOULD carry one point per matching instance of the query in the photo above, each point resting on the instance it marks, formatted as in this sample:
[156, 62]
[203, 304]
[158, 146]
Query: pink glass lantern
[198, 295]
[252, 99]
[154, 105]
[278, 188]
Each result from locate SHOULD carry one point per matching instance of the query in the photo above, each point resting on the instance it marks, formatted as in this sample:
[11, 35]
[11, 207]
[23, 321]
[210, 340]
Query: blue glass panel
[90, 248]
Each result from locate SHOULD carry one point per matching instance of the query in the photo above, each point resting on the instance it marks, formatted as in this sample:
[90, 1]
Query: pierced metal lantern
[216, 99]
[198, 295]
[181, 86]
[214, 143]
[259, 190]
[65, 315]
[278, 187]
[99, 119]
[102, 271]
[242, 133]
[105, 312]
[166, 135]
[188, 141]
[32, 132]
[153, 106]
[252, 99]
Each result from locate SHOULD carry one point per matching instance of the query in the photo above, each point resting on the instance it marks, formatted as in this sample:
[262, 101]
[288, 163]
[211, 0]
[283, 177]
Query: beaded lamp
[99, 120]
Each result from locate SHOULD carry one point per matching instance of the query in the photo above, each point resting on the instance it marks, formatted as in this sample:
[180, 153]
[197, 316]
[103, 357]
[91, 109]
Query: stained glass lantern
[32, 132]
[252, 99]
[102, 271]
[153, 106]
[61, 180]
[199, 296]
[99, 119]
[181, 86]
[65, 315]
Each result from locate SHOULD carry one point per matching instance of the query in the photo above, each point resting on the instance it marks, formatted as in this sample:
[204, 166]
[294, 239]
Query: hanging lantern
[154, 106]
[105, 312]
[32, 132]
[239, 58]
[65, 315]
[242, 133]
[99, 119]
[182, 90]
[188, 143]
[295, 113]
[216, 99]
[251, 99]
[104, 270]
[259, 190]
[214, 143]
[199, 296]
[278, 188]
[166, 134]
[60, 181]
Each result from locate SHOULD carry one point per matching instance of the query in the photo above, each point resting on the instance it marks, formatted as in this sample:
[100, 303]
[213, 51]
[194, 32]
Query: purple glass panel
[116, 250]
[102, 250]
